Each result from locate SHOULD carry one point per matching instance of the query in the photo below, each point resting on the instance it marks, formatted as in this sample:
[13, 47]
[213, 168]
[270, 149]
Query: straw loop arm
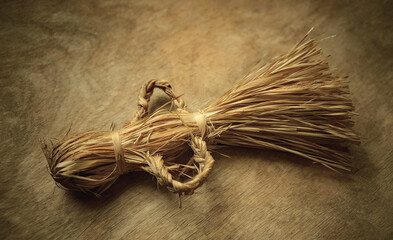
[146, 92]
[202, 159]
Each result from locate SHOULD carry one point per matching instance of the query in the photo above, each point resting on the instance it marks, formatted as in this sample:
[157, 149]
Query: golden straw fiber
[293, 104]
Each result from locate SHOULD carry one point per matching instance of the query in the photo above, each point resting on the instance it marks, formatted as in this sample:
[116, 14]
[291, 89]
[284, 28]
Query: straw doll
[293, 104]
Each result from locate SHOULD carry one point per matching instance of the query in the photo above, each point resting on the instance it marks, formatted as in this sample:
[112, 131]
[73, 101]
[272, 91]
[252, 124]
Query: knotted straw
[293, 104]
[119, 153]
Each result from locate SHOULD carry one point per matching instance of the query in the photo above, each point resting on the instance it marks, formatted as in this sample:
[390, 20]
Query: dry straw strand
[294, 104]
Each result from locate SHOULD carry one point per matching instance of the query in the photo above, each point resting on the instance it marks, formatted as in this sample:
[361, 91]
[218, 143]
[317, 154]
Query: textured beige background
[81, 63]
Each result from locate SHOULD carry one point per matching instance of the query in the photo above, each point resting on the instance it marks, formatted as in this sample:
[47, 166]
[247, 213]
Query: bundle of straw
[293, 104]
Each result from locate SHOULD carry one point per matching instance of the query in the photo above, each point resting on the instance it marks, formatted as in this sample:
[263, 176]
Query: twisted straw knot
[208, 133]
[119, 153]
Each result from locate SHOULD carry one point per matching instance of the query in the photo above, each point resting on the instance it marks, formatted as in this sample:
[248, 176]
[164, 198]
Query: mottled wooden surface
[81, 63]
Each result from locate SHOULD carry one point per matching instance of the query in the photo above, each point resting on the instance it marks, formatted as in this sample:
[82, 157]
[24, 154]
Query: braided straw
[164, 177]
[147, 91]
[293, 104]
